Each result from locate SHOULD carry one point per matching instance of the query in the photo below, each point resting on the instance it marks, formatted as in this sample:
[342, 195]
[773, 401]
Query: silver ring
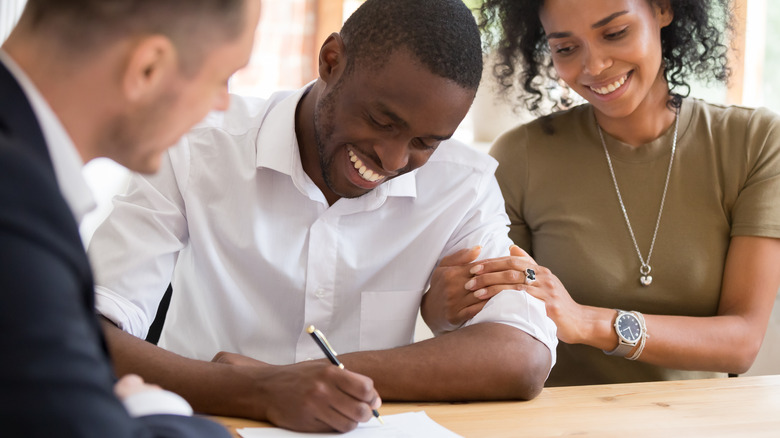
[530, 276]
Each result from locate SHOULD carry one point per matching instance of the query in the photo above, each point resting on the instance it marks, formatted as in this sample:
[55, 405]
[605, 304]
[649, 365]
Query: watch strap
[623, 347]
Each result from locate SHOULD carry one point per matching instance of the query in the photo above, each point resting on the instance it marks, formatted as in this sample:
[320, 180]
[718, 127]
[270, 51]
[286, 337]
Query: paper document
[406, 425]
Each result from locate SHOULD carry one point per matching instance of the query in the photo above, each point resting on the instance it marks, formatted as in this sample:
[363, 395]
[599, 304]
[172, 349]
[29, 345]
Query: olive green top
[561, 200]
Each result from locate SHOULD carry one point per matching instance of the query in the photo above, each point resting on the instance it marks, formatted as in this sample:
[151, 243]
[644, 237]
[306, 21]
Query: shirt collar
[65, 158]
[278, 149]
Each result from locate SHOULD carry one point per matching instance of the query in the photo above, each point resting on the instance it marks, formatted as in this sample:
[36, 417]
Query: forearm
[726, 343]
[488, 361]
[212, 388]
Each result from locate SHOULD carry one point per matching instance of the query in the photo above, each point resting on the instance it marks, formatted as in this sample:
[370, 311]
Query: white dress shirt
[255, 254]
[68, 165]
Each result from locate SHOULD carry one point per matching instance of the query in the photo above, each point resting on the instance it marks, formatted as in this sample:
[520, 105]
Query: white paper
[406, 425]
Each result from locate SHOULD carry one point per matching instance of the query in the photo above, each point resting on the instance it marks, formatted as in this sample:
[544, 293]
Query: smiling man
[331, 206]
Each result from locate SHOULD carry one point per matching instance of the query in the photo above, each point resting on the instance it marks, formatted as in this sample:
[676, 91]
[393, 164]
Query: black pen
[319, 338]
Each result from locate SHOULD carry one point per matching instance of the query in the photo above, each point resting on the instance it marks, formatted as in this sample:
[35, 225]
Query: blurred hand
[132, 384]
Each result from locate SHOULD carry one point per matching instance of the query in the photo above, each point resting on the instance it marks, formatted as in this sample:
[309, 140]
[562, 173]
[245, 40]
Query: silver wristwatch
[629, 328]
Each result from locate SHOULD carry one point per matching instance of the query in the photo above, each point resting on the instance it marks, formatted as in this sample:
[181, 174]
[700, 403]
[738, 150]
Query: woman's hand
[460, 287]
[494, 275]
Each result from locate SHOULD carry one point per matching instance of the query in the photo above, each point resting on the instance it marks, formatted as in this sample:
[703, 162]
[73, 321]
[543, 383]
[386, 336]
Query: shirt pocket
[387, 318]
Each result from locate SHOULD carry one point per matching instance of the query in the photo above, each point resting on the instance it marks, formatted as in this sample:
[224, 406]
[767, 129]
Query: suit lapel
[17, 119]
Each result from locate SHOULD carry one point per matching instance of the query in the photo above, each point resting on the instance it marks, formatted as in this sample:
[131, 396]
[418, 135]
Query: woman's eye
[564, 50]
[618, 34]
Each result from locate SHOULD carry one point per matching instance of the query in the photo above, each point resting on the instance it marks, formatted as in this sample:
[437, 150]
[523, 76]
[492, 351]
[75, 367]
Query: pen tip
[378, 417]
[310, 329]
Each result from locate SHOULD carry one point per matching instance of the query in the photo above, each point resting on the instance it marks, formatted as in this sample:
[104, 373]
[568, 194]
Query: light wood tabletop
[736, 407]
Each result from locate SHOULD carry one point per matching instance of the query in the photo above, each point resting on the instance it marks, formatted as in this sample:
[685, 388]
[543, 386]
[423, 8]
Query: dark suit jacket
[55, 375]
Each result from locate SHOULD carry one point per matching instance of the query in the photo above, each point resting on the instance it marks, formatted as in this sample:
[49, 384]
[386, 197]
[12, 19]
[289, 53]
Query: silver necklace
[644, 269]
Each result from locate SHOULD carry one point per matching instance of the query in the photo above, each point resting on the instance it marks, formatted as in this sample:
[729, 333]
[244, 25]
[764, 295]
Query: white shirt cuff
[156, 402]
[524, 312]
[122, 312]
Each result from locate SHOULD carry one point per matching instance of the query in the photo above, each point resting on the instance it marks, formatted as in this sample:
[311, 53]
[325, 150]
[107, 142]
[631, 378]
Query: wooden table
[738, 407]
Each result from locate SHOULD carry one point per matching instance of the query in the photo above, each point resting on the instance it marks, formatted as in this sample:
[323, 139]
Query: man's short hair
[441, 34]
[192, 25]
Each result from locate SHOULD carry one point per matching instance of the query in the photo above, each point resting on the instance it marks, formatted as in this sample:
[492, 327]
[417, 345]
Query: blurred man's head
[128, 77]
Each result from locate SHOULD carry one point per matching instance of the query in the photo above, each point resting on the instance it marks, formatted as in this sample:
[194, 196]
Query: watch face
[628, 327]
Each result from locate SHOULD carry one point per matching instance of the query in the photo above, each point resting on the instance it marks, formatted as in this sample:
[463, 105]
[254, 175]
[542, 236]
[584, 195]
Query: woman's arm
[727, 342]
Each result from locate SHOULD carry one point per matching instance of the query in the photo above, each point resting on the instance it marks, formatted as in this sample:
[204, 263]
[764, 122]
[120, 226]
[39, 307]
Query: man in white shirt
[325, 207]
[81, 79]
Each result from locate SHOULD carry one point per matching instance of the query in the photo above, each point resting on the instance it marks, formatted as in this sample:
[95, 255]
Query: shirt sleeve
[522, 311]
[756, 211]
[156, 402]
[133, 252]
[486, 225]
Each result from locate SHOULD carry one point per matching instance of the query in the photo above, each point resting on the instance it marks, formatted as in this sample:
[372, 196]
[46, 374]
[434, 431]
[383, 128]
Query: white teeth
[364, 172]
[611, 87]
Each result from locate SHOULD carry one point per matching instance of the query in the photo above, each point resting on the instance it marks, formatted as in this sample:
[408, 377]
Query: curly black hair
[693, 45]
[442, 34]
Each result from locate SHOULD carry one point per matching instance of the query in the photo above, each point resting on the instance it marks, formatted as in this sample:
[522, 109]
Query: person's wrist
[597, 327]
[254, 396]
[436, 321]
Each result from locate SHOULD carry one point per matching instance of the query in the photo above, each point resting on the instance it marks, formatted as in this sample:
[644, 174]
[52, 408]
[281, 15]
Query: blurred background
[285, 57]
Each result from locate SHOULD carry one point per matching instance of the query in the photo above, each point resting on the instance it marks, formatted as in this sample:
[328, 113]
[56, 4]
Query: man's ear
[150, 61]
[332, 60]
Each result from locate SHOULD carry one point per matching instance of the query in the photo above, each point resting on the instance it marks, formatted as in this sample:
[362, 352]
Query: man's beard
[323, 133]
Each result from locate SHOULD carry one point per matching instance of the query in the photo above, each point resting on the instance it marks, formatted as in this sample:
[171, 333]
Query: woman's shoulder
[559, 126]
[735, 129]
[728, 116]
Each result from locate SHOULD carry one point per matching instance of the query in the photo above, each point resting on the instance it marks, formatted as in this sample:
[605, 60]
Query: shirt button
[319, 293]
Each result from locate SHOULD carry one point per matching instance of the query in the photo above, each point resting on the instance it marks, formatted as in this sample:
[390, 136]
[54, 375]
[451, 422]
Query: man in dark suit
[81, 79]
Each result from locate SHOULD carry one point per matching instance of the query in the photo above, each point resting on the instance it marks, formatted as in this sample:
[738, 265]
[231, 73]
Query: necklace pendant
[646, 280]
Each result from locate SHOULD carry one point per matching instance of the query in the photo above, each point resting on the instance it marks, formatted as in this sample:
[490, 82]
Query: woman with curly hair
[651, 220]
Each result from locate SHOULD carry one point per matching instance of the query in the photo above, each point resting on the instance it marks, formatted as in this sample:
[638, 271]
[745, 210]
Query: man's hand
[448, 304]
[311, 396]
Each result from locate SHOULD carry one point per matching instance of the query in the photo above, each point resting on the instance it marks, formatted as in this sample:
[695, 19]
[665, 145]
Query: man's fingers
[345, 412]
[471, 311]
[462, 257]
[355, 385]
